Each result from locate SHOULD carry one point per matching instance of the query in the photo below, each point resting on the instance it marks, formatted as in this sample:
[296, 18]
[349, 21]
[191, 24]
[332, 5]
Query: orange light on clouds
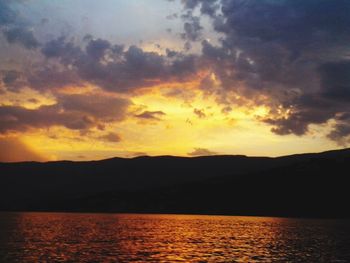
[190, 119]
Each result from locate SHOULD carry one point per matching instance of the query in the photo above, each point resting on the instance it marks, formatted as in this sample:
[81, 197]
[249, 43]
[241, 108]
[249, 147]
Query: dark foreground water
[58, 237]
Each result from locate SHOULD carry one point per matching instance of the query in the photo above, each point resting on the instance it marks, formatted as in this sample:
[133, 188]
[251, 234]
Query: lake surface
[65, 237]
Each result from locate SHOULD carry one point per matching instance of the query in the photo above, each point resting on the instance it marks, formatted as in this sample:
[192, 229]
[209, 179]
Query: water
[59, 237]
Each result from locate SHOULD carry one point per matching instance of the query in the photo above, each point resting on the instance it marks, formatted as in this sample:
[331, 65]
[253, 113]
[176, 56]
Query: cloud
[208, 7]
[13, 150]
[301, 63]
[341, 130]
[97, 48]
[10, 77]
[14, 28]
[150, 115]
[50, 78]
[103, 107]
[172, 16]
[201, 152]
[11, 80]
[75, 112]
[115, 69]
[111, 137]
[335, 80]
[14, 118]
[7, 15]
[192, 27]
[23, 36]
[200, 113]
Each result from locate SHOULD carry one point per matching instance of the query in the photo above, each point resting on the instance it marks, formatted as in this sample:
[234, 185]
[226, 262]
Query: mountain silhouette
[303, 185]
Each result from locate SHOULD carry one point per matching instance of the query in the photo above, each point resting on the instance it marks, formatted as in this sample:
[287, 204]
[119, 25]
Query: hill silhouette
[304, 185]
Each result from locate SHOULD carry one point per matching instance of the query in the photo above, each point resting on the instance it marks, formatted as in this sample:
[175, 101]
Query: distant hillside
[305, 185]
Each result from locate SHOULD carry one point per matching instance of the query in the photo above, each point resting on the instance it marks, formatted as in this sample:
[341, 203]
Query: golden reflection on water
[59, 237]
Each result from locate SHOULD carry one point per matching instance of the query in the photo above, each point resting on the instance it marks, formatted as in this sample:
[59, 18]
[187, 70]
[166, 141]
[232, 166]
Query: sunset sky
[87, 79]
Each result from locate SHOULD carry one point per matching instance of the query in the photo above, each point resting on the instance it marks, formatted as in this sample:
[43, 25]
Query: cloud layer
[294, 52]
[291, 56]
[75, 112]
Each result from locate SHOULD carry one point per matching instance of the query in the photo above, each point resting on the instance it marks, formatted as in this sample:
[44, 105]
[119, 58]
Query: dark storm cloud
[341, 130]
[12, 80]
[13, 118]
[10, 77]
[7, 15]
[115, 69]
[171, 53]
[208, 7]
[295, 52]
[111, 67]
[14, 28]
[192, 27]
[94, 61]
[65, 51]
[190, 4]
[76, 112]
[184, 67]
[329, 101]
[291, 22]
[23, 36]
[335, 78]
[97, 48]
[47, 77]
[52, 77]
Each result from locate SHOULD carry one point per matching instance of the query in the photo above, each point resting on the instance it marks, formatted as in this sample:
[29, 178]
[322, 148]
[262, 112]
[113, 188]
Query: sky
[88, 80]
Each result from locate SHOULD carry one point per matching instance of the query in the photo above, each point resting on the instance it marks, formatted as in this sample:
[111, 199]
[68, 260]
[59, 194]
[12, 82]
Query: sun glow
[179, 117]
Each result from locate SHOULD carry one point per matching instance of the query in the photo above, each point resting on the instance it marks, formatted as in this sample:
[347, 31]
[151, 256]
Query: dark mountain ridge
[303, 185]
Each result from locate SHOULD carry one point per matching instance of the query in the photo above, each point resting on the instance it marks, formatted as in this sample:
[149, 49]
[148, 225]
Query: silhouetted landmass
[305, 185]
